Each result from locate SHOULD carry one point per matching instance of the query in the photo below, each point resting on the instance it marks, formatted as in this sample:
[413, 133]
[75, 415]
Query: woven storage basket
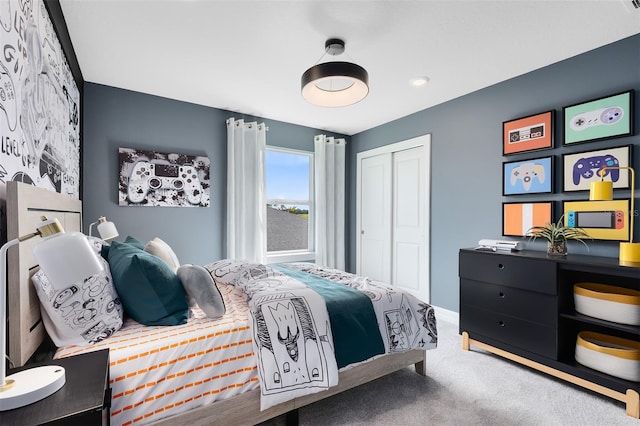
[607, 302]
[612, 355]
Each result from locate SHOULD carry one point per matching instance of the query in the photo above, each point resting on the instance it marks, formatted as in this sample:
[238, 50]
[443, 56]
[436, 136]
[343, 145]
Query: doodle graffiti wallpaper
[39, 103]
[150, 178]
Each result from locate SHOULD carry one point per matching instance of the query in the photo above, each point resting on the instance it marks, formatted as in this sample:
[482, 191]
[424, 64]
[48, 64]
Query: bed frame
[25, 205]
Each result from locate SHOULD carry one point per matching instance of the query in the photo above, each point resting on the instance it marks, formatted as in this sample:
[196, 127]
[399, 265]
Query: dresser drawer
[526, 273]
[531, 306]
[526, 335]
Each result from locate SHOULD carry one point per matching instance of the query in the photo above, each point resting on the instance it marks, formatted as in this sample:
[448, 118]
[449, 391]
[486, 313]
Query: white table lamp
[106, 229]
[65, 259]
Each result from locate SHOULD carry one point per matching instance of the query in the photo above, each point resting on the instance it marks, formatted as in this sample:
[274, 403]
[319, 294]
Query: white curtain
[246, 202]
[330, 187]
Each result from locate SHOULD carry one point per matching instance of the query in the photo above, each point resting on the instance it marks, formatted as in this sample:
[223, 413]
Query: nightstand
[83, 400]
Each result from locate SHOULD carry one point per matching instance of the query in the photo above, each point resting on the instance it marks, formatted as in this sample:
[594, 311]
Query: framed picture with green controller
[597, 119]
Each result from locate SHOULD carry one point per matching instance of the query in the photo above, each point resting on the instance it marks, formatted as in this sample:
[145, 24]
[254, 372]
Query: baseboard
[447, 315]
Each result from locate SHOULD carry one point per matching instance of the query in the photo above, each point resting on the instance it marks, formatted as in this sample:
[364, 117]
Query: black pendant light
[335, 84]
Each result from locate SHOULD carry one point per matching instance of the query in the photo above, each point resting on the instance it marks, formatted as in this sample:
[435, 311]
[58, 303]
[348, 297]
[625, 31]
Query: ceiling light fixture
[419, 81]
[335, 84]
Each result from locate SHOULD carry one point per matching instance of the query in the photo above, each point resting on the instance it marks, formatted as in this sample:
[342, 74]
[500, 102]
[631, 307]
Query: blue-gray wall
[466, 145]
[466, 170]
[115, 118]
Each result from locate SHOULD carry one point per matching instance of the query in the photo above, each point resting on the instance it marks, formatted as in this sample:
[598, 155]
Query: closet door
[375, 219]
[392, 215]
[408, 230]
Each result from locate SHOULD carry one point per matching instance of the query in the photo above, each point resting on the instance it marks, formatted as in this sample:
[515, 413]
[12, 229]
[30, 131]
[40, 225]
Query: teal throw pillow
[104, 250]
[134, 242]
[151, 293]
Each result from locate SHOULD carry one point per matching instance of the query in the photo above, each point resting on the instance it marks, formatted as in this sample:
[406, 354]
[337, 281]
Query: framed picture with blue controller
[532, 176]
[581, 168]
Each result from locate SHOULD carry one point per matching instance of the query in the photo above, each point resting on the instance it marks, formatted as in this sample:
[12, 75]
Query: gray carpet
[465, 388]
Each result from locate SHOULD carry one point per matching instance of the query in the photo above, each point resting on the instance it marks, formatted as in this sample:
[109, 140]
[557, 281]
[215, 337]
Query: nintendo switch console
[608, 219]
[146, 177]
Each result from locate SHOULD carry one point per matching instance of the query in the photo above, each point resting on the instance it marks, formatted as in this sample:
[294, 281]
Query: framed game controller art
[597, 119]
[533, 176]
[531, 133]
[581, 168]
[156, 179]
[518, 218]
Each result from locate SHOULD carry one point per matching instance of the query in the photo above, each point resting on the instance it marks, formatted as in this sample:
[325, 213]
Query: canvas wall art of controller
[526, 172]
[147, 177]
[589, 166]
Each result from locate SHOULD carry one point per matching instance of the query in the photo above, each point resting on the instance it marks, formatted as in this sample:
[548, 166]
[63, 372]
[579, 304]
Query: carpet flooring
[465, 388]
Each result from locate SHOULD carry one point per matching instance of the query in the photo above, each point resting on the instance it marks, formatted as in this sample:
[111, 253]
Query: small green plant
[557, 235]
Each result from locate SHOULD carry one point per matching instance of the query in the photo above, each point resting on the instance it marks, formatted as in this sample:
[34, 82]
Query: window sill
[291, 256]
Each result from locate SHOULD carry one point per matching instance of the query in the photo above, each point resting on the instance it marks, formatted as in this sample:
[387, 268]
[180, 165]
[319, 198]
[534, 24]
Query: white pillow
[83, 313]
[159, 248]
[201, 290]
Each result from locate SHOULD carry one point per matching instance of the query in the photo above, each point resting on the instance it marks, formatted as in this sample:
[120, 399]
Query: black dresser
[520, 305]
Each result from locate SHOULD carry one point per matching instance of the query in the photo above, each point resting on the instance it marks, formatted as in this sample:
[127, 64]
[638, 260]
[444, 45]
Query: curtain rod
[266, 128]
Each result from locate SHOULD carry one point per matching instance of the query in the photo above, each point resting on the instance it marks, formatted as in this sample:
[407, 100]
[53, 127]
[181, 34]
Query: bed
[235, 397]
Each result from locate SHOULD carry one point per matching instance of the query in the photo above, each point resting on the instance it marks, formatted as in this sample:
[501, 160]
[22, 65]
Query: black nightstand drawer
[531, 306]
[532, 337]
[527, 273]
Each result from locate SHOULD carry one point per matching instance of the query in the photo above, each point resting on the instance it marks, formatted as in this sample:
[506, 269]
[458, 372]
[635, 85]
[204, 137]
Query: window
[289, 185]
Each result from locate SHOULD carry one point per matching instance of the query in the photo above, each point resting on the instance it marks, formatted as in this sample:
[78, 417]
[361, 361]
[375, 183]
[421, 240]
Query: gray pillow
[201, 290]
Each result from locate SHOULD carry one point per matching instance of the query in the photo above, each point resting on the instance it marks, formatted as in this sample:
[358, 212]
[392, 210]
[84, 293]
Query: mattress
[156, 372]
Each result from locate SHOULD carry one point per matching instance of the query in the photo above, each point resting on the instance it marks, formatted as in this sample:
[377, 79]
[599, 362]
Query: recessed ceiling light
[419, 81]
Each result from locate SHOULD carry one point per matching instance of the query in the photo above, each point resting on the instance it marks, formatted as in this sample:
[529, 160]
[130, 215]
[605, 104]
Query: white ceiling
[248, 56]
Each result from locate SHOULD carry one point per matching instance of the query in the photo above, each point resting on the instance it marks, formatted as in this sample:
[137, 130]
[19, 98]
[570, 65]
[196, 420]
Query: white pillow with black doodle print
[81, 313]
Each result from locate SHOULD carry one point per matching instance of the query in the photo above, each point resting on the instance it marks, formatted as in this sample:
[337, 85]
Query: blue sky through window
[287, 175]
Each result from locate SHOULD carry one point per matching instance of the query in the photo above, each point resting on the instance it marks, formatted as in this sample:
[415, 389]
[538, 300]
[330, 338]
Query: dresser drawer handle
[501, 323]
[500, 266]
[501, 294]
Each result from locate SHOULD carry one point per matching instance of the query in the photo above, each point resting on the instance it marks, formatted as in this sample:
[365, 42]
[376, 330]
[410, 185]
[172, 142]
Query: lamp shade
[601, 190]
[66, 258]
[106, 229]
[335, 84]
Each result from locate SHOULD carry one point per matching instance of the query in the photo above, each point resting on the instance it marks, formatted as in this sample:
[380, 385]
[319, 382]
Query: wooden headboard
[25, 205]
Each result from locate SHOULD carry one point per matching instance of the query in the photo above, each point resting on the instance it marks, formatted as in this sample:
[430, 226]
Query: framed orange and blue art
[517, 218]
[531, 133]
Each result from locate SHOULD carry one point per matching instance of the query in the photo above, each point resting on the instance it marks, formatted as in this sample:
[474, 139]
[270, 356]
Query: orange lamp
[603, 191]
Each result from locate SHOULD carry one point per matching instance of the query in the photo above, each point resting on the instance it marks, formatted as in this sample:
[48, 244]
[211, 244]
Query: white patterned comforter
[291, 327]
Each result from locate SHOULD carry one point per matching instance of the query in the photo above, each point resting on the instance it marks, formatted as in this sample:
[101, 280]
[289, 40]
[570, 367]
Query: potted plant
[557, 235]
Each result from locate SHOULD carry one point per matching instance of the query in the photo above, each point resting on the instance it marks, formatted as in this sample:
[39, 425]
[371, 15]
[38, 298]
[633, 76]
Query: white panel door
[409, 245]
[375, 218]
[393, 214]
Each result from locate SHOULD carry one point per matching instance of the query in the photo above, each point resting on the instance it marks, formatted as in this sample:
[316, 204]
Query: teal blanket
[356, 336]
